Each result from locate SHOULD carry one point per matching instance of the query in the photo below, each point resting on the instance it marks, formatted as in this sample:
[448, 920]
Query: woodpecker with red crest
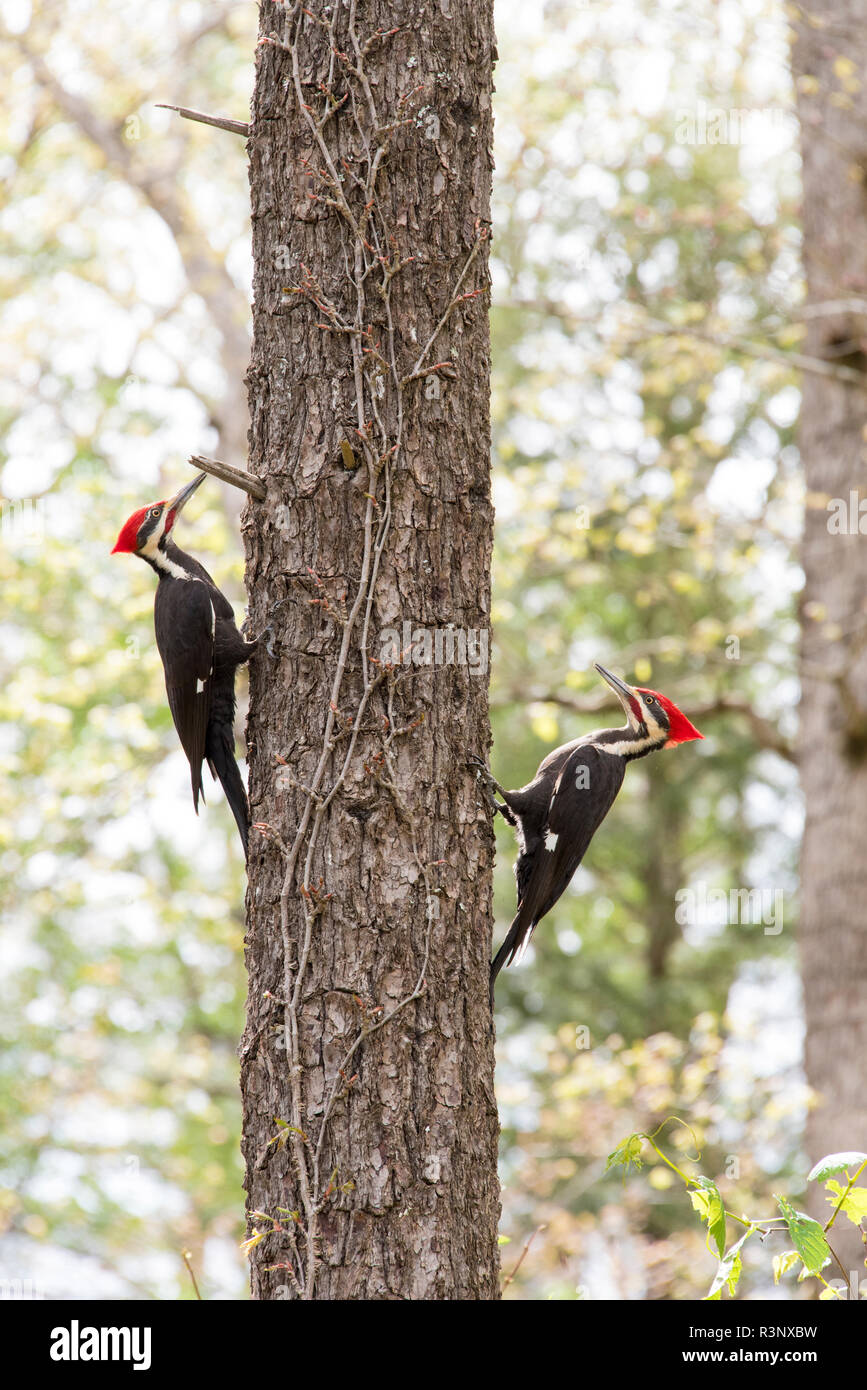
[558, 813]
[200, 648]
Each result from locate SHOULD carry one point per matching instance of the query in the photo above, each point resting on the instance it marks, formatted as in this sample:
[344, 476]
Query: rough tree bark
[833, 116]
[367, 1065]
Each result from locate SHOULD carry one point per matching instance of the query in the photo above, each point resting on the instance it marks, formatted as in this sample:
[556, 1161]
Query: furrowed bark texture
[833, 737]
[367, 1064]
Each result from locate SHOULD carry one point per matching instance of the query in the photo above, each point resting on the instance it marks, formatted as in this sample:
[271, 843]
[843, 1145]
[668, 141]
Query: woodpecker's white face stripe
[656, 734]
[151, 550]
[651, 722]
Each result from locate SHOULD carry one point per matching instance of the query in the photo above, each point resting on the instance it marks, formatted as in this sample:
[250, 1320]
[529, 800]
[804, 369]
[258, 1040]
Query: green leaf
[252, 1241]
[628, 1152]
[504, 1240]
[728, 1270]
[835, 1163]
[855, 1205]
[709, 1204]
[783, 1263]
[807, 1235]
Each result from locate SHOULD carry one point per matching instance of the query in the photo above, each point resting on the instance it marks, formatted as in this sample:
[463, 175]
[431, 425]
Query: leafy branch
[812, 1250]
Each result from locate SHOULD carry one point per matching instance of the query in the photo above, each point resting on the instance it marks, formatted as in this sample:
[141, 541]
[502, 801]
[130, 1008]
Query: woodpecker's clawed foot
[265, 639]
[479, 767]
[491, 785]
[484, 773]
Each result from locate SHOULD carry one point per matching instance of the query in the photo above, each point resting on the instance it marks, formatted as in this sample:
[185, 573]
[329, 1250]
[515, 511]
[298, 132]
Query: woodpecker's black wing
[582, 797]
[184, 623]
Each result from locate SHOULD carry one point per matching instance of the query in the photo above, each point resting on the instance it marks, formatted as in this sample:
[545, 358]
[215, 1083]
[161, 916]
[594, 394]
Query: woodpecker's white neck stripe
[153, 552]
[632, 747]
[162, 561]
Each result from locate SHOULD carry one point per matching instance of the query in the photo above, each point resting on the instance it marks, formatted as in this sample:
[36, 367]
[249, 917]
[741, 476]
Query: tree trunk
[833, 115]
[367, 1064]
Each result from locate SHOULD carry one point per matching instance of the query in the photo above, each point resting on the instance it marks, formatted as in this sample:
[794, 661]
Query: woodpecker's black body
[200, 647]
[558, 813]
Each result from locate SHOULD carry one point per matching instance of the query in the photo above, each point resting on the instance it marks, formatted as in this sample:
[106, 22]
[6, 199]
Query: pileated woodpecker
[558, 813]
[200, 648]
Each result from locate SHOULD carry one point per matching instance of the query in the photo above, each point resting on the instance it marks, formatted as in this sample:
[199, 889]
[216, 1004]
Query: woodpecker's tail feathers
[221, 759]
[198, 787]
[514, 946]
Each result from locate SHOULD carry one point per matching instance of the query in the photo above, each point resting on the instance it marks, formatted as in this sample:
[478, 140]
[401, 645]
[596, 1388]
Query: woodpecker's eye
[649, 700]
[154, 511]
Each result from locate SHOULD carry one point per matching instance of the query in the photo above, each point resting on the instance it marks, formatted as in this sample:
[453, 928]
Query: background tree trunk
[833, 116]
[367, 1065]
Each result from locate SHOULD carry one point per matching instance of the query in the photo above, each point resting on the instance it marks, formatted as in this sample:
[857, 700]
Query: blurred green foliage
[122, 988]
[648, 507]
[648, 510]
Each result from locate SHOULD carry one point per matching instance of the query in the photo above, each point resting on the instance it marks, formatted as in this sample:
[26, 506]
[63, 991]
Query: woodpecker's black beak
[623, 691]
[180, 501]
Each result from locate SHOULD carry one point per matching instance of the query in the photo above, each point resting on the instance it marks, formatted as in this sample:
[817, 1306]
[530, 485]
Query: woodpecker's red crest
[680, 730]
[154, 521]
[127, 541]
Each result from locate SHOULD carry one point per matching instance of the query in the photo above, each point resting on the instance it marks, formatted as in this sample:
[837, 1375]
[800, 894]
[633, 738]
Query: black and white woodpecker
[200, 648]
[558, 813]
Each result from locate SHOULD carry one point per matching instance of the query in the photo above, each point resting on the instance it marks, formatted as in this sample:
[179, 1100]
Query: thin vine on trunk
[367, 1062]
